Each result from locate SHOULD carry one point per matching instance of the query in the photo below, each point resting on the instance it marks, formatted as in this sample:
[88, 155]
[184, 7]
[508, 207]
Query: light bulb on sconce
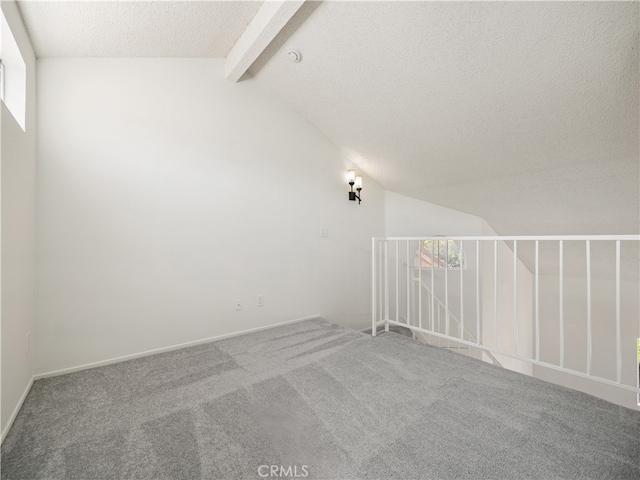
[356, 180]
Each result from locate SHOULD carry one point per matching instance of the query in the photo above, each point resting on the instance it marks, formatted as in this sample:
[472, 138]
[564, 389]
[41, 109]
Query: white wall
[166, 192]
[18, 154]
[603, 334]
[408, 217]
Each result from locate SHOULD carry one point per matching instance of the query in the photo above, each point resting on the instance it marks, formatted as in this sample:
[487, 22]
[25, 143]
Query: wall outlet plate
[238, 304]
[261, 300]
[324, 233]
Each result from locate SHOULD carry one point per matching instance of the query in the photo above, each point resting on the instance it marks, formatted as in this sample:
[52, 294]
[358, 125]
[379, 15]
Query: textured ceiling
[524, 113]
[136, 29]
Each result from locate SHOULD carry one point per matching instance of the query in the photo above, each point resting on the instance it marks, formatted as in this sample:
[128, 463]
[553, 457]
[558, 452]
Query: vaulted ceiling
[524, 113]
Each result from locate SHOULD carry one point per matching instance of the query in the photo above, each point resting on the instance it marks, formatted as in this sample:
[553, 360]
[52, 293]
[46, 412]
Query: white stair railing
[481, 283]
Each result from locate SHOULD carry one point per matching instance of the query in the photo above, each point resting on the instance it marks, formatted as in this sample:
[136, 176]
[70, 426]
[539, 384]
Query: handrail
[568, 238]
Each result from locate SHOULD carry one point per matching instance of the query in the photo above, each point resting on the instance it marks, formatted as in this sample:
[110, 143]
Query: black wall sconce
[357, 181]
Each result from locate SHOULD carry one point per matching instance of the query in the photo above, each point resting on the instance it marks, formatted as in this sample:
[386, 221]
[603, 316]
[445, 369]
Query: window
[1, 80]
[13, 76]
[441, 254]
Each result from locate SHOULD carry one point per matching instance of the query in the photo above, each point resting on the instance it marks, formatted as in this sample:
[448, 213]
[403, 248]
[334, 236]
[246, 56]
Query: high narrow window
[441, 254]
[1, 80]
[13, 74]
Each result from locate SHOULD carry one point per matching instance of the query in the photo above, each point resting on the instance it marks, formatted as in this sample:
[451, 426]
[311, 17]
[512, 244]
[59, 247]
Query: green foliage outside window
[444, 249]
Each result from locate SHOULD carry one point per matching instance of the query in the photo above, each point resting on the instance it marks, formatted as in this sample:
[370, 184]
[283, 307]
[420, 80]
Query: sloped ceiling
[524, 113]
[137, 28]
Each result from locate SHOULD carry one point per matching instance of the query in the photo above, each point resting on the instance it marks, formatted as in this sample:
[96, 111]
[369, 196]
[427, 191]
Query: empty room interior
[320, 239]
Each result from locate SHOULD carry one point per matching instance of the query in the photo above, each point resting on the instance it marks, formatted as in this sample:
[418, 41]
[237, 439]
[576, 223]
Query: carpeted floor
[328, 401]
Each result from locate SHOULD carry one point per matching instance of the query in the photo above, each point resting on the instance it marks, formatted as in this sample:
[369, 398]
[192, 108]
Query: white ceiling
[136, 29]
[524, 113]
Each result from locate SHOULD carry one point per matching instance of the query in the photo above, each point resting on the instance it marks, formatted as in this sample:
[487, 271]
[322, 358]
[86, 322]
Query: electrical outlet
[238, 304]
[324, 233]
[261, 300]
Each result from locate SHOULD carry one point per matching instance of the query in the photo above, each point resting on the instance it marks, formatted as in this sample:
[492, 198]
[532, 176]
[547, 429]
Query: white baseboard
[124, 358]
[14, 414]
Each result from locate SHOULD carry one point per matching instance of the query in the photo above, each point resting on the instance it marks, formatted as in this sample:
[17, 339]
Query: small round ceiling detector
[294, 55]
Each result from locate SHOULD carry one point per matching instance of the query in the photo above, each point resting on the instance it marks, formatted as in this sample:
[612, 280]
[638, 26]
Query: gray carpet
[329, 401]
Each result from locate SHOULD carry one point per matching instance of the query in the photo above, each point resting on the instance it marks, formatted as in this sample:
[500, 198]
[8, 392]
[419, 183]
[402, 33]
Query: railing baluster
[446, 287]
[618, 339]
[397, 282]
[537, 283]
[386, 284]
[561, 294]
[461, 294]
[589, 338]
[515, 295]
[433, 317]
[495, 289]
[478, 292]
[380, 279]
[408, 285]
[420, 284]
[373, 287]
